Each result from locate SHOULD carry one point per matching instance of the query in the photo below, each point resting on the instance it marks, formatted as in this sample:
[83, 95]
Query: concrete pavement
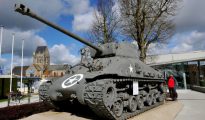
[189, 106]
[194, 105]
[167, 111]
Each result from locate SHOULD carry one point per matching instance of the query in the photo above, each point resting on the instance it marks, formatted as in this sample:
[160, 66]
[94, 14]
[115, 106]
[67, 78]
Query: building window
[192, 72]
[202, 73]
[55, 74]
[62, 74]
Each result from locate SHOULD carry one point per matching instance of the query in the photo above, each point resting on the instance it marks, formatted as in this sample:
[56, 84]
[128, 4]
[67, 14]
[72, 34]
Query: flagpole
[1, 66]
[1, 40]
[22, 65]
[12, 61]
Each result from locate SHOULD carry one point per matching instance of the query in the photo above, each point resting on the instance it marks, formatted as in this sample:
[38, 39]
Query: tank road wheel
[118, 108]
[149, 99]
[132, 106]
[140, 102]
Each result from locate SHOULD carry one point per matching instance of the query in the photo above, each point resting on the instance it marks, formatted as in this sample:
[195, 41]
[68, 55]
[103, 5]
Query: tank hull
[129, 89]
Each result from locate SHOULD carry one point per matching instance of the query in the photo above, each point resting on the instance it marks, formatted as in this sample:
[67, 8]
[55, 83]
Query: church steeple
[41, 57]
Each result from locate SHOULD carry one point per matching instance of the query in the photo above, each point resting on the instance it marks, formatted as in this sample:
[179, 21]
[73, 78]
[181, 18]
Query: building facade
[187, 68]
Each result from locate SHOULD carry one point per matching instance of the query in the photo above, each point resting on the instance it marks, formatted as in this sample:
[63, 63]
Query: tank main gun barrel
[26, 11]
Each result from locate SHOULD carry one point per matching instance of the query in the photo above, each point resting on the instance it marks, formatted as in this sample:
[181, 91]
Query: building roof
[17, 69]
[38, 67]
[7, 76]
[175, 58]
[41, 49]
[58, 67]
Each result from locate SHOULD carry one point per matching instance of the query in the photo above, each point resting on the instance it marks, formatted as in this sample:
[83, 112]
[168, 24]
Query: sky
[77, 16]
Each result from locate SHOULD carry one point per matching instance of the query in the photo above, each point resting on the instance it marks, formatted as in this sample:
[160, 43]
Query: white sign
[135, 88]
[72, 80]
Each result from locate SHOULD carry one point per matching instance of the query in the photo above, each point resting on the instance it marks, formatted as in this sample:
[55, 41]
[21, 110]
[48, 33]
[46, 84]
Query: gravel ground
[167, 111]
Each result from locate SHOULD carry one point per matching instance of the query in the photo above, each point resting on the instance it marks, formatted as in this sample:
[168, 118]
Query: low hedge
[20, 111]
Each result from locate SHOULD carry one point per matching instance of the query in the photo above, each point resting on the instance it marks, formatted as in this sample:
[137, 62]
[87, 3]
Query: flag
[1, 70]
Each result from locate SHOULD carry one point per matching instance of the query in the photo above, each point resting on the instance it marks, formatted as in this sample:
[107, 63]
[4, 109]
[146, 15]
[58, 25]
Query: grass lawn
[3, 100]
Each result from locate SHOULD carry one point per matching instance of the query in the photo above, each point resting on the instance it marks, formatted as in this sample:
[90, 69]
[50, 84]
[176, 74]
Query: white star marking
[72, 80]
[131, 68]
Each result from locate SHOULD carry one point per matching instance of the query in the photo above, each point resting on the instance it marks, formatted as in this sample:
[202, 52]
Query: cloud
[60, 54]
[31, 42]
[76, 6]
[79, 9]
[6, 64]
[186, 42]
[11, 19]
[83, 22]
[190, 26]
[26, 61]
[49, 9]
[191, 16]
[83, 17]
[2, 61]
[156, 49]
[189, 42]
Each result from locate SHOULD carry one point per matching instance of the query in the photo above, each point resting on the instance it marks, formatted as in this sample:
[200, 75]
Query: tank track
[95, 99]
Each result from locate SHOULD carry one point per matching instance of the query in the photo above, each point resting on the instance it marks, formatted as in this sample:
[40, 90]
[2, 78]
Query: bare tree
[106, 22]
[148, 21]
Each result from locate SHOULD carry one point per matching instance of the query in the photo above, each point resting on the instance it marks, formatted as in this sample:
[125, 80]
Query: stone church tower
[41, 57]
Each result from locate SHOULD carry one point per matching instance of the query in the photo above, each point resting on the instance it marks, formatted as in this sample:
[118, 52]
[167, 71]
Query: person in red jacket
[171, 86]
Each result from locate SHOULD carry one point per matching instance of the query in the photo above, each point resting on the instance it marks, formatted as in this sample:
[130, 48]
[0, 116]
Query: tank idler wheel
[132, 106]
[149, 99]
[140, 102]
[118, 108]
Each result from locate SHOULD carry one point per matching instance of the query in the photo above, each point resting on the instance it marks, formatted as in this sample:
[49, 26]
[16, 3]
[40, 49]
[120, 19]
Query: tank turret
[110, 79]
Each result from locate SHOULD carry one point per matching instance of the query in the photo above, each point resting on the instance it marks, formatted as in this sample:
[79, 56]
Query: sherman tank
[110, 79]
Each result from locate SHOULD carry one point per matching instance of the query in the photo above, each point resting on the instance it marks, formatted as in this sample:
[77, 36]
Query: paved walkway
[194, 105]
[167, 111]
[33, 98]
